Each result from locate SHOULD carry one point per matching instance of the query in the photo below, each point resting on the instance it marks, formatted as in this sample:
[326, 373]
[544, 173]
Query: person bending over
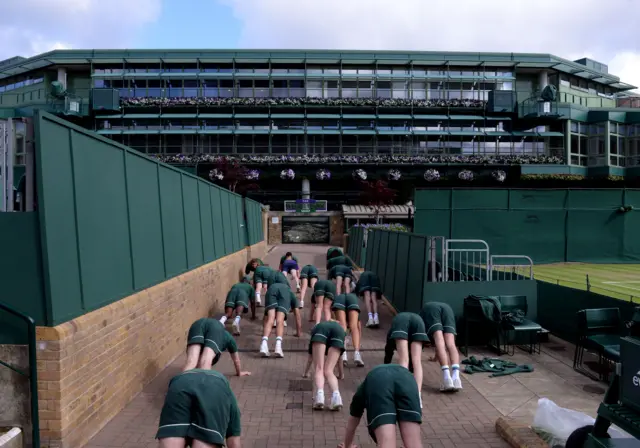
[286, 256]
[290, 266]
[333, 252]
[261, 278]
[389, 395]
[238, 299]
[407, 336]
[206, 341]
[347, 311]
[327, 340]
[440, 322]
[279, 301]
[368, 287]
[200, 411]
[324, 289]
[308, 278]
[252, 265]
[343, 275]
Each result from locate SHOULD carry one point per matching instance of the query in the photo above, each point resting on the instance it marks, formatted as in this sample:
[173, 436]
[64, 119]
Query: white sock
[375, 315]
[237, 319]
[446, 374]
[265, 339]
[455, 374]
[370, 315]
[336, 393]
[258, 295]
[320, 392]
[278, 340]
[223, 319]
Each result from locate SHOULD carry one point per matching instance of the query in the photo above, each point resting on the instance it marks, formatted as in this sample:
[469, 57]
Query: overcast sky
[605, 31]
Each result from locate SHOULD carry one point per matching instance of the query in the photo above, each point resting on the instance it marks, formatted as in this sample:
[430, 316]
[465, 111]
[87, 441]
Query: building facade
[338, 108]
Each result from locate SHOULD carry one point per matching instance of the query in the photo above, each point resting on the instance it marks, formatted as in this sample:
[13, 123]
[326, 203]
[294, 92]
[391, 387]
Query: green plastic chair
[599, 330]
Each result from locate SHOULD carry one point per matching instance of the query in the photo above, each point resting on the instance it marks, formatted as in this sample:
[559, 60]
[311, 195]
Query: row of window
[575, 82]
[300, 69]
[590, 151]
[294, 144]
[365, 125]
[583, 129]
[24, 82]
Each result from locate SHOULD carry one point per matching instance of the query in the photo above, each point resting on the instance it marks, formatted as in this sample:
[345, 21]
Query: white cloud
[29, 27]
[559, 27]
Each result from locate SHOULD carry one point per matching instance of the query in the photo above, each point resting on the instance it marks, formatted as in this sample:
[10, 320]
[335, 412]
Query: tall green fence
[113, 221]
[355, 248]
[566, 225]
[21, 285]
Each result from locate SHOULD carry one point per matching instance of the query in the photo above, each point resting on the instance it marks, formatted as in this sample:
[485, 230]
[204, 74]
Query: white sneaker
[264, 349]
[223, 320]
[318, 402]
[336, 402]
[447, 385]
[345, 359]
[353, 286]
[457, 384]
[302, 304]
[236, 328]
[258, 301]
[278, 350]
[369, 322]
[376, 321]
[285, 323]
[357, 358]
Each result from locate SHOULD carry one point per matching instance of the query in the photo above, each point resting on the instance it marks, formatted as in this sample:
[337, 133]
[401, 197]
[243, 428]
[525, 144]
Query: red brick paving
[465, 419]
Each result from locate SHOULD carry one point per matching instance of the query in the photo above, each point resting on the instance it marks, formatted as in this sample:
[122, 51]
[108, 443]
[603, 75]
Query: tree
[377, 194]
[236, 176]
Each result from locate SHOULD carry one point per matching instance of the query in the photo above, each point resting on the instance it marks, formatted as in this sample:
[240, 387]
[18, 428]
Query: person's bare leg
[317, 314]
[347, 285]
[386, 436]
[269, 318]
[232, 442]
[330, 364]
[416, 361]
[402, 347]
[326, 307]
[410, 433]
[172, 442]
[228, 312]
[304, 284]
[454, 357]
[339, 283]
[374, 303]
[279, 324]
[354, 326]
[341, 317]
[441, 353]
[318, 350]
[201, 444]
[206, 358]
[367, 302]
[193, 356]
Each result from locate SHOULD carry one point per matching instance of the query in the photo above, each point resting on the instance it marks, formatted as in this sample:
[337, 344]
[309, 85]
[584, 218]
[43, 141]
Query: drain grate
[294, 405]
[300, 386]
[593, 389]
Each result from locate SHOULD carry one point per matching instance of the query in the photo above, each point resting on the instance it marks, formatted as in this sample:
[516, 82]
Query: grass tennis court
[621, 281]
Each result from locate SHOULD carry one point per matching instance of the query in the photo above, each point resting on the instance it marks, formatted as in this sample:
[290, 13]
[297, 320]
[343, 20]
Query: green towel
[495, 366]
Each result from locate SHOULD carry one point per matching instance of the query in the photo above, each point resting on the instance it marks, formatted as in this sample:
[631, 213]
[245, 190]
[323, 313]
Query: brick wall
[91, 367]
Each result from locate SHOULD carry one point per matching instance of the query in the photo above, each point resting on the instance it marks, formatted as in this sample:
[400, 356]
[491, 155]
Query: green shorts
[408, 326]
[207, 332]
[324, 288]
[278, 297]
[345, 302]
[329, 333]
[438, 316]
[262, 274]
[340, 271]
[200, 405]
[238, 297]
[392, 396]
[368, 281]
[278, 277]
[309, 271]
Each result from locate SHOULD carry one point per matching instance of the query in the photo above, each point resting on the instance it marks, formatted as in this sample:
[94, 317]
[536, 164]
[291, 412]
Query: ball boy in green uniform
[200, 411]
[440, 322]
[347, 311]
[368, 287]
[206, 341]
[238, 298]
[308, 278]
[389, 395]
[279, 301]
[323, 289]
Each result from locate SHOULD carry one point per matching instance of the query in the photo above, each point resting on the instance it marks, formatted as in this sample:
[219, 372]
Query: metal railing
[32, 374]
[473, 263]
[436, 246]
[510, 271]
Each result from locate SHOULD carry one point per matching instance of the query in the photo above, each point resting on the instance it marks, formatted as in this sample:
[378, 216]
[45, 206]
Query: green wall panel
[206, 222]
[20, 275]
[145, 221]
[433, 199]
[193, 231]
[173, 230]
[547, 225]
[113, 221]
[102, 220]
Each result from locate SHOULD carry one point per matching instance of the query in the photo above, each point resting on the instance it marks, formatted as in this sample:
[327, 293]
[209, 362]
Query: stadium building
[334, 118]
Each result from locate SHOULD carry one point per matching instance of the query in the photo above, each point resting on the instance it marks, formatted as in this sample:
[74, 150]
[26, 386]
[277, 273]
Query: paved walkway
[276, 402]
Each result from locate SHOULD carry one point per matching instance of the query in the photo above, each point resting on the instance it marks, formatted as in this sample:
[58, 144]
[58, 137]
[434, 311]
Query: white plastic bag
[558, 423]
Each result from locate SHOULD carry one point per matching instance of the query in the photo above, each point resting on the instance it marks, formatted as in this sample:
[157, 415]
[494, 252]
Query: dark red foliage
[235, 176]
[377, 193]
